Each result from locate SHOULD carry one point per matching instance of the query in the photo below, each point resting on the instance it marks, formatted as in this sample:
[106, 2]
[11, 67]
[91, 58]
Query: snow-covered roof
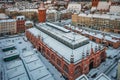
[8, 20]
[27, 23]
[28, 67]
[114, 9]
[48, 1]
[15, 70]
[12, 9]
[58, 27]
[118, 61]
[74, 7]
[82, 77]
[35, 67]
[115, 0]
[51, 11]
[103, 5]
[64, 35]
[13, 64]
[29, 10]
[93, 8]
[103, 16]
[100, 36]
[31, 58]
[11, 52]
[61, 49]
[97, 35]
[3, 16]
[102, 76]
[64, 11]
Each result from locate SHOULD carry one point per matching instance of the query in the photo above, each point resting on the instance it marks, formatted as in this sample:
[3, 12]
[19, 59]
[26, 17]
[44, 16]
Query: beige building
[28, 13]
[102, 22]
[7, 27]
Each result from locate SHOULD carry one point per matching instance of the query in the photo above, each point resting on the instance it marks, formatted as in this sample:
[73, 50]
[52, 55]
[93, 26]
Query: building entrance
[91, 65]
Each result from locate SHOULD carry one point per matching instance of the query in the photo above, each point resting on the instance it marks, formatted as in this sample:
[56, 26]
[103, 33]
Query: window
[77, 70]
[65, 68]
[53, 57]
[58, 62]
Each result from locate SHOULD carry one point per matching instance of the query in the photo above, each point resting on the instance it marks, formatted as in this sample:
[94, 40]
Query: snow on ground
[31, 63]
[109, 66]
[22, 45]
[111, 52]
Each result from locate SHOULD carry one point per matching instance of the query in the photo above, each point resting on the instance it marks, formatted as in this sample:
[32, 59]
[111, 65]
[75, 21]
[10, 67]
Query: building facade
[42, 13]
[99, 38]
[20, 24]
[103, 22]
[70, 70]
[7, 27]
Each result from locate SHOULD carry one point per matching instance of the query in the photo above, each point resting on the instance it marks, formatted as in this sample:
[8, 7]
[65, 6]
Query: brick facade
[69, 70]
[42, 13]
[100, 41]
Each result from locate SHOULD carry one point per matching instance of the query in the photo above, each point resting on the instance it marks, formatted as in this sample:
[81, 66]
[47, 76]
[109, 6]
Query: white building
[74, 7]
[114, 9]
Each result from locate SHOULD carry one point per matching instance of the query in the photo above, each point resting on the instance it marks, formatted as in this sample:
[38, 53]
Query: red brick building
[71, 61]
[95, 3]
[108, 40]
[20, 24]
[42, 13]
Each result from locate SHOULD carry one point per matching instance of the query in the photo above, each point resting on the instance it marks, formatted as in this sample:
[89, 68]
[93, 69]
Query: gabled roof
[82, 77]
[102, 76]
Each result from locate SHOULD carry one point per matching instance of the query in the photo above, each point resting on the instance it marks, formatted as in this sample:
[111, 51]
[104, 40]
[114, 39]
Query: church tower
[95, 3]
[42, 13]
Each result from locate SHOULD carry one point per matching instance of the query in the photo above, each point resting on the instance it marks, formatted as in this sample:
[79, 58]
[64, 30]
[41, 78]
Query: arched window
[48, 53]
[58, 62]
[65, 68]
[78, 70]
[53, 57]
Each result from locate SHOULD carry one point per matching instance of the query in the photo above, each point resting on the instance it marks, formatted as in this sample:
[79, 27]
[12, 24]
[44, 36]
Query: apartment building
[103, 22]
[7, 27]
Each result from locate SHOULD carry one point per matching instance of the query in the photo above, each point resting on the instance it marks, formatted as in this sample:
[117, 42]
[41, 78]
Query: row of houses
[103, 22]
[101, 38]
[13, 26]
